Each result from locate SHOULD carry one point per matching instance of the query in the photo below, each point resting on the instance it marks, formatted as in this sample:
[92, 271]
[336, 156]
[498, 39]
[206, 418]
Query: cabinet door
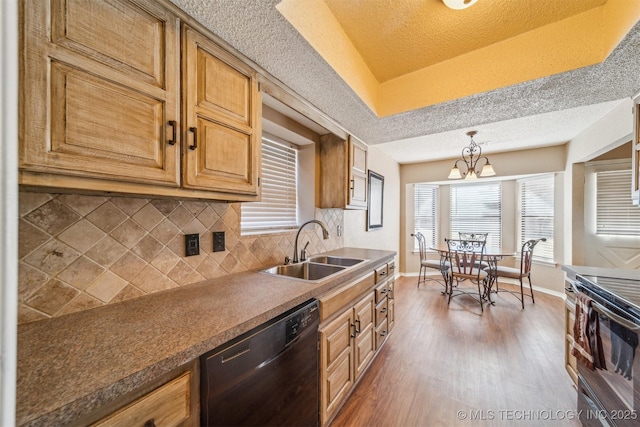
[336, 364]
[569, 359]
[222, 115]
[357, 173]
[364, 343]
[168, 405]
[391, 304]
[101, 90]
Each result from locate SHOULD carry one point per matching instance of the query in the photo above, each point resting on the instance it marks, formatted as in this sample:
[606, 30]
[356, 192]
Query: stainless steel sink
[336, 260]
[305, 270]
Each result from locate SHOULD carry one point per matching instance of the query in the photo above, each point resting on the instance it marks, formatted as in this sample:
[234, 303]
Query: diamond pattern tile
[78, 252]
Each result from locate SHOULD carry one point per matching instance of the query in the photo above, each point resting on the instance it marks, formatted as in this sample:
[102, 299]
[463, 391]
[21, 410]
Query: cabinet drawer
[391, 269]
[381, 311]
[381, 333]
[381, 273]
[168, 405]
[343, 295]
[382, 291]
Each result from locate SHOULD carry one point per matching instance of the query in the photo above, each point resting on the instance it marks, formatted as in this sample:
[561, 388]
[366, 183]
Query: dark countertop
[71, 365]
[617, 273]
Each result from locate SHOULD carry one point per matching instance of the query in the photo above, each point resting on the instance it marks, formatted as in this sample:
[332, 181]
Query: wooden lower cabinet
[347, 346]
[337, 375]
[171, 400]
[364, 341]
[354, 325]
[569, 318]
[168, 405]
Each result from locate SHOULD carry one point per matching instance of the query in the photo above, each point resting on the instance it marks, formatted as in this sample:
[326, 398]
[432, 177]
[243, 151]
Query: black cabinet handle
[195, 138]
[172, 141]
[358, 327]
[353, 334]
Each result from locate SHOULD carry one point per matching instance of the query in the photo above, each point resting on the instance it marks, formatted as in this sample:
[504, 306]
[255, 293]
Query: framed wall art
[375, 200]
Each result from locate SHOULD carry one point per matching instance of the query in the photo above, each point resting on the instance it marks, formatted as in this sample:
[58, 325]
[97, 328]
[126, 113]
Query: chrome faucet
[325, 236]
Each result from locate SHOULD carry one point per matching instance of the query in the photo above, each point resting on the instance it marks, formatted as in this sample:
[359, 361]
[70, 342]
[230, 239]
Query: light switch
[218, 241]
[191, 244]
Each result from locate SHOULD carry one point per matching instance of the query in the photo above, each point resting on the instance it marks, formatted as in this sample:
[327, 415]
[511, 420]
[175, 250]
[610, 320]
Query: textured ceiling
[261, 33]
[398, 37]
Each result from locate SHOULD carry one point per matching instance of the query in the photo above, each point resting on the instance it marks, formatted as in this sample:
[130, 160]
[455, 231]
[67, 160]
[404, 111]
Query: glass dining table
[491, 256]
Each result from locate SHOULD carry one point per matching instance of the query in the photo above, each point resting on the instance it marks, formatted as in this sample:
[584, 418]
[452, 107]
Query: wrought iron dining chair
[481, 237]
[465, 256]
[526, 258]
[441, 265]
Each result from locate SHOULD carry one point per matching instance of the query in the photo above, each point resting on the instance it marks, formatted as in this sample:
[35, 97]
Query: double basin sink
[315, 268]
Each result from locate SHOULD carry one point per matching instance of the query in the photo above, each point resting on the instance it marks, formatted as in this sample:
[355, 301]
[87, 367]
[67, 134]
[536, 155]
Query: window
[278, 209]
[615, 215]
[536, 212]
[425, 200]
[477, 209]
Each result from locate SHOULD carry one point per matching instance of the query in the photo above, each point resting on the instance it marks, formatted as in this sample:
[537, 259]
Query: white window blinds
[536, 211]
[477, 209]
[425, 198]
[278, 209]
[615, 213]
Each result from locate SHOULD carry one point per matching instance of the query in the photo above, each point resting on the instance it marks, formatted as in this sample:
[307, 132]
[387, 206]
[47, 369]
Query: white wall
[611, 131]
[8, 208]
[355, 221]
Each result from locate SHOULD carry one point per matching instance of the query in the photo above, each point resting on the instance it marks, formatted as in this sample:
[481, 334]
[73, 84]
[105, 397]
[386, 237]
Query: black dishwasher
[267, 376]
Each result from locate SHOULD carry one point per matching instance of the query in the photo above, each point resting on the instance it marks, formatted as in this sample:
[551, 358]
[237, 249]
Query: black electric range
[621, 293]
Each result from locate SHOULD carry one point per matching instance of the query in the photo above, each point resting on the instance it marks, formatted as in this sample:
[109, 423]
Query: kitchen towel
[587, 344]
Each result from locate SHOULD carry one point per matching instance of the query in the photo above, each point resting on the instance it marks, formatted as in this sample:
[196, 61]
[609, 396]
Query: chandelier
[470, 168]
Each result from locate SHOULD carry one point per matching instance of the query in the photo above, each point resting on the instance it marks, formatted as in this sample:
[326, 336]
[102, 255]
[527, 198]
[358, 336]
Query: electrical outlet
[191, 244]
[218, 241]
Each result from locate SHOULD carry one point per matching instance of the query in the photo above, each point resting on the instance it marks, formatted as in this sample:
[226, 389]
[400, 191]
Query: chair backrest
[480, 237]
[526, 256]
[422, 245]
[465, 256]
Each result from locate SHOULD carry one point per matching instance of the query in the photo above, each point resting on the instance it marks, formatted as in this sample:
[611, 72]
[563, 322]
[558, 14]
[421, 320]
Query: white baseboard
[509, 281]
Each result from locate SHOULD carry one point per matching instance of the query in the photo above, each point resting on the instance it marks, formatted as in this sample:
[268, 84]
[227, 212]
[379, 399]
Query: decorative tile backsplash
[78, 252]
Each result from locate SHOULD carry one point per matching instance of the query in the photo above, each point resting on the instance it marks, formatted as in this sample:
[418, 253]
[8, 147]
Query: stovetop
[623, 293]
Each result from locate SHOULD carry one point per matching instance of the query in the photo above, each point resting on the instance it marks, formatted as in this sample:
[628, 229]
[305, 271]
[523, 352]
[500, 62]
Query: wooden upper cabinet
[222, 119]
[343, 172]
[100, 84]
[635, 155]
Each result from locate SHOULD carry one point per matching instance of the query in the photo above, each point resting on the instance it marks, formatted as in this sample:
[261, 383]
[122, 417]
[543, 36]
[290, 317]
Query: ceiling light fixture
[458, 4]
[470, 157]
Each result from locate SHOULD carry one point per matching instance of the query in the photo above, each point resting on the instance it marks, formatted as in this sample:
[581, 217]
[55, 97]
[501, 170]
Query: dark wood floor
[453, 365]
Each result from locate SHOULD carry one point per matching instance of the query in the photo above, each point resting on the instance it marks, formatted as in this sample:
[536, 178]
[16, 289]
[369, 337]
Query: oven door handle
[573, 287]
[618, 319]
